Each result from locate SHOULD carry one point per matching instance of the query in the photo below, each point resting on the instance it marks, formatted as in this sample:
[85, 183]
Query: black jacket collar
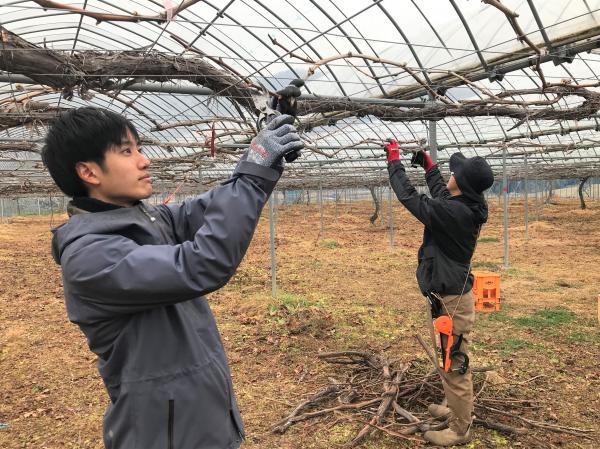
[92, 204]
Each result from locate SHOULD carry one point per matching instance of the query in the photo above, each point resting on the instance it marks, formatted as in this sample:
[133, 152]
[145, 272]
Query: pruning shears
[266, 113]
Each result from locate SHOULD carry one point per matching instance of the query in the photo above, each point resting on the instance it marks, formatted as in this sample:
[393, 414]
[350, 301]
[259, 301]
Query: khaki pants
[458, 388]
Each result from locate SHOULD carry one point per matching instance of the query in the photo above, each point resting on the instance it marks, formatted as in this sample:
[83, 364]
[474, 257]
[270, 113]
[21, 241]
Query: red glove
[421, 158]
[391, 150]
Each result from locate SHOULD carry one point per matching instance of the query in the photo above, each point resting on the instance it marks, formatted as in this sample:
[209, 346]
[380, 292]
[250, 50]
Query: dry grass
[349, 291]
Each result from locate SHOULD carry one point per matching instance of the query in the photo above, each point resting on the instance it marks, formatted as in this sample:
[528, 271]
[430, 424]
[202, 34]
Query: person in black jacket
[453, 218]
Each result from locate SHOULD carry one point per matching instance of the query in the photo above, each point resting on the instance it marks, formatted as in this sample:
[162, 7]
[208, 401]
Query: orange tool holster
[449, 349]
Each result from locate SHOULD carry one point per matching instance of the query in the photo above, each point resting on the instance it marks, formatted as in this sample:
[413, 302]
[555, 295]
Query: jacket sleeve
[436, 184]
[425, 209]
[118, 274]
[188, 216]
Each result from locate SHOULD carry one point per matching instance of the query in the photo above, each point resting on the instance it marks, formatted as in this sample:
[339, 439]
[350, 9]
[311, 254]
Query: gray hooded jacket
[134, 280]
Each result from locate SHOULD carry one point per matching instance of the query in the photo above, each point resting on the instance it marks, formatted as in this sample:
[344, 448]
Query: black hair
[81, 135]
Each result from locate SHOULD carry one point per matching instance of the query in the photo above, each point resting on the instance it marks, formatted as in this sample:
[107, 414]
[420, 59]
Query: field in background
[344, 290]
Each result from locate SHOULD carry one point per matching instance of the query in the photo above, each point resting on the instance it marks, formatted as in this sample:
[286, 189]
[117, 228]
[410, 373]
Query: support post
[51, 211]
[381, 200]
[38, 204]
[391, 207]
[526, 192]
[505, 195]
[321, 230]
[272, 243]
[336, 205]
[199, 179]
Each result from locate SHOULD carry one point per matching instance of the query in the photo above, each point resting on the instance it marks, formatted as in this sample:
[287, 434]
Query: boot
[446, 437]
[439, 412]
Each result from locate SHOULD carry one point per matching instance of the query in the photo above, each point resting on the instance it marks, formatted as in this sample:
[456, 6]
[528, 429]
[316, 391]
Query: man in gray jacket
[135, 276]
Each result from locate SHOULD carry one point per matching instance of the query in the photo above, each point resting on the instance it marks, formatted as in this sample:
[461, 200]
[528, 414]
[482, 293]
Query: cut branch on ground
[395, 394]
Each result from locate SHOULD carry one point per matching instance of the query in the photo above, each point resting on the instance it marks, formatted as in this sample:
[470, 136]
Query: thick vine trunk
[113, 70]
[581, 184]
[550, 192]
[375, 215]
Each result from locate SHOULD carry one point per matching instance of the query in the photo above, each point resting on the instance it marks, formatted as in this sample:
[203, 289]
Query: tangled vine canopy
[513, 81]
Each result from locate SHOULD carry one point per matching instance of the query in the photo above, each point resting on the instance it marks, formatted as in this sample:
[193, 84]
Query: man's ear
[88, 172]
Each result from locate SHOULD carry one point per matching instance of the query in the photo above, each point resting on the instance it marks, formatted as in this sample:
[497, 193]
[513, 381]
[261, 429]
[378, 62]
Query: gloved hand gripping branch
[419, 158]
[391, 151]
[274, 142]
[422, 159]
[285, 101]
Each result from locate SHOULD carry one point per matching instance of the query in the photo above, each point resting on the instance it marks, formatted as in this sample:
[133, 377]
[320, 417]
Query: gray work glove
[287, 103]
[276, 140]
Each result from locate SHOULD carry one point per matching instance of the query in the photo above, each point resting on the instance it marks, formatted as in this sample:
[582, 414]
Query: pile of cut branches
[390, 396]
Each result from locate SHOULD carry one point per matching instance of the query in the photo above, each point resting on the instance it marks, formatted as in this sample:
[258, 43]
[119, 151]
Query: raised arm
[122, 276]
[420, 205]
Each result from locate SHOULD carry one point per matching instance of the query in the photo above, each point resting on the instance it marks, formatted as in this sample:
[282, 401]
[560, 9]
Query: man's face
[124, 179]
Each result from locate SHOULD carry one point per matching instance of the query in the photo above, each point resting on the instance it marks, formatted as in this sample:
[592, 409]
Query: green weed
[482, 264]
[584, 337]
[514, 272]
[292, 303]
[499, 316]
[513, 344]
[330, 244]
[546, 318]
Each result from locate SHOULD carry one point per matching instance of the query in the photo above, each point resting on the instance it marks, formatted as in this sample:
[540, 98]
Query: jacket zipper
[147, 214]
[171, 423]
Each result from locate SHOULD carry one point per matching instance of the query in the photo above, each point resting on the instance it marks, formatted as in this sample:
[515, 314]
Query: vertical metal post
[200, 178]
[39, 210]
[432, 138]
[18, 207]
[350, 200]
[525, 191]
[391, 207]
[538, 195]
[336, 205]
[381, 200]
[321, 231]
[505, 195]
[51, 211]
[272, 243]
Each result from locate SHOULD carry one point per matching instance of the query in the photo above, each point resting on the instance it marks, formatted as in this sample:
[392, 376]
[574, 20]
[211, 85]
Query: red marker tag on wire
[212, 142]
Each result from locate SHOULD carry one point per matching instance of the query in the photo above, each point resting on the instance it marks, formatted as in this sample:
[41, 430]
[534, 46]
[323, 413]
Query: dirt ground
[347, 290]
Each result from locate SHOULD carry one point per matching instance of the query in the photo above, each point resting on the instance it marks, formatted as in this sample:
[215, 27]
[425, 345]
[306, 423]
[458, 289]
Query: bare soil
[344, 290]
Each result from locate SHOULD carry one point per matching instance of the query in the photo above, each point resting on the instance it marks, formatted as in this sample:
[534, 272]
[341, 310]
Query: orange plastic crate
[486, 288]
